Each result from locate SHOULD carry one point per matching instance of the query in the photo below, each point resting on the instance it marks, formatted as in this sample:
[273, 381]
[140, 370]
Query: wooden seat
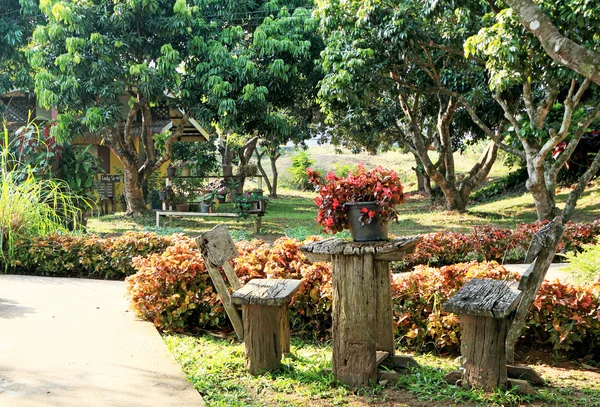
[265, 328]
[483, 306]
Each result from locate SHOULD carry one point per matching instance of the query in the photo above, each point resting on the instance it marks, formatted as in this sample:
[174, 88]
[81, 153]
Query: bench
[491, 314]
[259, 212]
[265, 328]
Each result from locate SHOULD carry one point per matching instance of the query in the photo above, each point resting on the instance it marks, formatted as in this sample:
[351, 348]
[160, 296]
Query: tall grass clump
[29, 204]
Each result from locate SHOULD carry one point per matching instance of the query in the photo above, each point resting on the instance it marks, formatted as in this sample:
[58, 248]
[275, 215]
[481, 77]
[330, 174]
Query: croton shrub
[171, 286]
[63, 255]
[492, 243]
[172, 290]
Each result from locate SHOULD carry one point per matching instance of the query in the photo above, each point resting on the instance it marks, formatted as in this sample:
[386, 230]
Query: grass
[216, 368]
[294, 212]
[30, 205]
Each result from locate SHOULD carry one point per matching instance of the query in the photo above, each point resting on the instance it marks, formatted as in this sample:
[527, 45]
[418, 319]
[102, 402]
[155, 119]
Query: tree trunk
[134, 195]
[545, 204]
[273, 160]
[262, 171]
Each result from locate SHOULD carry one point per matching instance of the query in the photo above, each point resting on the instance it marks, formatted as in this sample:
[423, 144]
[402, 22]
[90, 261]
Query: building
[20, 108]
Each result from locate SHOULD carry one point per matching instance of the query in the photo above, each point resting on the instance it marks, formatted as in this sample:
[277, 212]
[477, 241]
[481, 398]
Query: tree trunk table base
[362, 306]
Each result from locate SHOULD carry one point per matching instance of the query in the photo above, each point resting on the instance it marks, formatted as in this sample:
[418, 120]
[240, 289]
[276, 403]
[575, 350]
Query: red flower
[378, 185]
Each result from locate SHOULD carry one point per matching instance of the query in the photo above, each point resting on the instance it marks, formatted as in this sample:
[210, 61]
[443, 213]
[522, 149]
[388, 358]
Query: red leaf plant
[334, 194]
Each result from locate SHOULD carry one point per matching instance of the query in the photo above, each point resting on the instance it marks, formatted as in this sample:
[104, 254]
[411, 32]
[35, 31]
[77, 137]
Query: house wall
[115, 166]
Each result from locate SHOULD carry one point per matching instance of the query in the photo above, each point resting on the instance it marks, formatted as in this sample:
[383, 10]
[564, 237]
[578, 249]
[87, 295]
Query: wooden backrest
[217, 249]
[216, 246]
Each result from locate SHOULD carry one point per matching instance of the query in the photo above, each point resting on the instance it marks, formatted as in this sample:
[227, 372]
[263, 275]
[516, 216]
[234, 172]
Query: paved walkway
[554, 272]
[73, 342]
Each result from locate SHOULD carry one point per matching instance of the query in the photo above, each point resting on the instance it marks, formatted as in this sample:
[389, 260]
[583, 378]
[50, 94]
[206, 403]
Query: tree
[283, 126]
[217, 63]
[559, 47]
[412, 53]
[282, 52]
[92, 58]
[17, 21]
[529, 86]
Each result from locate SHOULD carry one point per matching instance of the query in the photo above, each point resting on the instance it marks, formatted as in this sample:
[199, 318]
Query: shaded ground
[73, 342]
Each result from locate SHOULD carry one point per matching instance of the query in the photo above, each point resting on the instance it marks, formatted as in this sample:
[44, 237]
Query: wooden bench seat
[257, 221]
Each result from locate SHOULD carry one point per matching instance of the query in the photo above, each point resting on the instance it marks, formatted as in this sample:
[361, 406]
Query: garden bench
[483, 306]
[265, 328]
[486, 309]
[259, 212]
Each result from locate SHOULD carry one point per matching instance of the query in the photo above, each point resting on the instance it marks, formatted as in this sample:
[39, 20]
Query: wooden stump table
[363, 333]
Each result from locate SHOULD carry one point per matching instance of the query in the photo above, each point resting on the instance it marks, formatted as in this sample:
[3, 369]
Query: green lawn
[216, 368]
[293, 214]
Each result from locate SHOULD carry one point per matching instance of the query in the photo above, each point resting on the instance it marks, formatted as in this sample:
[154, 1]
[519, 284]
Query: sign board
[110, 178]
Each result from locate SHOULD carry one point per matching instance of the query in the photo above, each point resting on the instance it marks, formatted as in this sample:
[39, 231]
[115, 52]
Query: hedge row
[173, 290]
[87, 256]
[111, 258]
[487, 243]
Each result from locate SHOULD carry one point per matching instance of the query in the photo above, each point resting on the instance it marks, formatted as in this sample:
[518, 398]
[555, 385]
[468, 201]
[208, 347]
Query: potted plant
[182, 165]
[167, 195]
[222, 194]
[363, 202]
[182, 202]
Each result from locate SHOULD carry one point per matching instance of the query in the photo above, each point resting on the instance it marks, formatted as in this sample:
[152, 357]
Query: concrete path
[73, 342]
[554, 272]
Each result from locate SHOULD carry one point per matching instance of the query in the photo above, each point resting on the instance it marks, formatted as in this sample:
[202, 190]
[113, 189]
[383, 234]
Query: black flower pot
[369, 231]
[170, 172]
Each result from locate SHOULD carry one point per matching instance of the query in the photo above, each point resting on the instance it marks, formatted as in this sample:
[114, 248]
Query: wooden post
[384, 339]
[483, 350]
[483, 307]
[354, 312]
[362, 305]
[262, 335]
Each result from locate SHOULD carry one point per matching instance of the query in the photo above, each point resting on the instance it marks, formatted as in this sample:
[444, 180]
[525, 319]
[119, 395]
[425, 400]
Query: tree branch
[560, 48]
[568, 151]
[169, 142]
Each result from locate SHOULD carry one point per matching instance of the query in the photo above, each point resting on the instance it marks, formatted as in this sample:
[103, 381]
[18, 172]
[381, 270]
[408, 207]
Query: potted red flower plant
[363, 202]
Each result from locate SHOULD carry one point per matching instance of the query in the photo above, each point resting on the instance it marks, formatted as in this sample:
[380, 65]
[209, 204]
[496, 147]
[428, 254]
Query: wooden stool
[483, 306]
[265, 328]
[266, 324]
